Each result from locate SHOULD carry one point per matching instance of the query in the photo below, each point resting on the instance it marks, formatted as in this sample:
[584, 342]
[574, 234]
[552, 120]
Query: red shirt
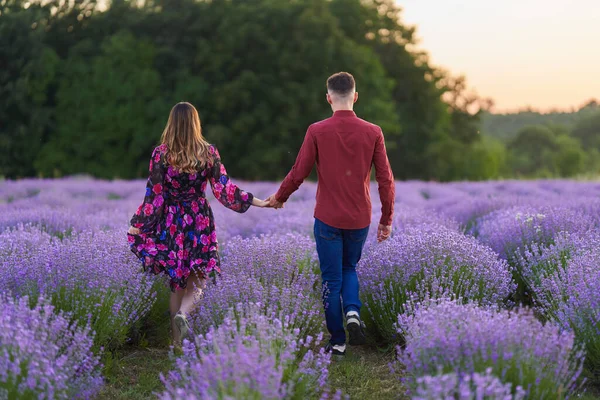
[344, 148]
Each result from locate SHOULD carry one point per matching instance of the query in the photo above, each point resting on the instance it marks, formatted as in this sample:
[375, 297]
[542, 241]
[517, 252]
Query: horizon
[544, 61]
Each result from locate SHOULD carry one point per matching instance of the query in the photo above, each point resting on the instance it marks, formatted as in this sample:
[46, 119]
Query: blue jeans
[339, 252]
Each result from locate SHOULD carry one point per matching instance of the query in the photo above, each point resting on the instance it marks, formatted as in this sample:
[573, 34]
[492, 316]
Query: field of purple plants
[485, 291]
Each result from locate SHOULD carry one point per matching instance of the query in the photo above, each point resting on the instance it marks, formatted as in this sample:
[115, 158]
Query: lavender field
[485, 291]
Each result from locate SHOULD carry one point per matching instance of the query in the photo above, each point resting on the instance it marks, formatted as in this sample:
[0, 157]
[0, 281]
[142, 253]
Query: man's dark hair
[341, 83]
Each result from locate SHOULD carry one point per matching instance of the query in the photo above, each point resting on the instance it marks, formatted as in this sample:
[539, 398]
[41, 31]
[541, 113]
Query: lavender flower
[91, 275]
[570, 296]
[249, 356]
[43, 355]
[465, 387]
[428, 261]
[516, 229]
[276, 271]
[450, 337]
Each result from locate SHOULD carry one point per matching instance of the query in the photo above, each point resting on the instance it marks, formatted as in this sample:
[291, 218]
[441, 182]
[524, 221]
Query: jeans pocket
[359, 235]
[326, 232]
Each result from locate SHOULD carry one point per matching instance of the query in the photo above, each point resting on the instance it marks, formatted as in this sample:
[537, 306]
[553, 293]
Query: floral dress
[177, 227]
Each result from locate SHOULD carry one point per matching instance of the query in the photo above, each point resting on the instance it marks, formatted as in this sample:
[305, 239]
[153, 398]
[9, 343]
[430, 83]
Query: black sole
[357, 335]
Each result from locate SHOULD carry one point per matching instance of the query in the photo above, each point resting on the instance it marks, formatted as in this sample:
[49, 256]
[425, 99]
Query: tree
[28, 69]
[588, 131]
[531, 151]
[570, 159]
[108, 110]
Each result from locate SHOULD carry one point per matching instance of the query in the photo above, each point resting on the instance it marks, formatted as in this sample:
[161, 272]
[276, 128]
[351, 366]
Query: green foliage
[105, 109]
[28, 69]
[506, 126]
[587, 131]
[546, 151]
[88, 91]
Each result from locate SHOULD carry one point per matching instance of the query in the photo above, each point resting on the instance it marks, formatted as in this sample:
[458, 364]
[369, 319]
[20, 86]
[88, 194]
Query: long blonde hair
[187, 150]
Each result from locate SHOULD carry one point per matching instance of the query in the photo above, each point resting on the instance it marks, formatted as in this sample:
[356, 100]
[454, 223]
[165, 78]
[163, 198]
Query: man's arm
[300, 171]
[387, 188]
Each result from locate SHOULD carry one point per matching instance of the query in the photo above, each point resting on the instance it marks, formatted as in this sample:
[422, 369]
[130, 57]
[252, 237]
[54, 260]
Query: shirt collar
[344, 113]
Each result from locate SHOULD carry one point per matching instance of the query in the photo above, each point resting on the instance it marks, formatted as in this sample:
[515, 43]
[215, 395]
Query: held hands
[133, 231]
[270, 202]
[273, 202]
[383, 232]
[260, 203]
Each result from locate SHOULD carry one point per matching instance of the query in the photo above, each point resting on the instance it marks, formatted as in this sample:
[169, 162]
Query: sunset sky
[541, 53]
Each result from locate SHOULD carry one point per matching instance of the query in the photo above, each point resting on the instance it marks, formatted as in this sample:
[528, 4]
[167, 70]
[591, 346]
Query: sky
[539, 53]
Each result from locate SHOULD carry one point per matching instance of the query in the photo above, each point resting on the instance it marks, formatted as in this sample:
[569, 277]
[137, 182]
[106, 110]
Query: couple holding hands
[173, 230]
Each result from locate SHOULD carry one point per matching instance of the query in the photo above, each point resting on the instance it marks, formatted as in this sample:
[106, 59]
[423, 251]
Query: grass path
[133, 374]
[364, 374]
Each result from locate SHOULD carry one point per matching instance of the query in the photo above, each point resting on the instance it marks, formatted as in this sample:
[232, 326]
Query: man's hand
[133, 231]
[383, 232]
[273, 202]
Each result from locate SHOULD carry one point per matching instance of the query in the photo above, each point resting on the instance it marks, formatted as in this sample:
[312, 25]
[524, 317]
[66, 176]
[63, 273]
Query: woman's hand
[133, 231]
[260, 203]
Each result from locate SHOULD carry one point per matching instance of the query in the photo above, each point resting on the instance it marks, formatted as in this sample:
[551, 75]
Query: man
[344, 147]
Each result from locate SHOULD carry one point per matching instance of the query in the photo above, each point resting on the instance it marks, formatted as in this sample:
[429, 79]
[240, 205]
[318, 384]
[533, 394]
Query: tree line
[86, 87]
[87, 90]
[548, 149]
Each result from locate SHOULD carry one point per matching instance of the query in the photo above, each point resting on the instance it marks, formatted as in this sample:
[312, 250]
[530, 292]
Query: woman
[173, 231]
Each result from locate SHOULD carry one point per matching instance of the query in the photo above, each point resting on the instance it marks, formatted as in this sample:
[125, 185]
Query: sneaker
[337, 350]
[356, 329]
[182, 324]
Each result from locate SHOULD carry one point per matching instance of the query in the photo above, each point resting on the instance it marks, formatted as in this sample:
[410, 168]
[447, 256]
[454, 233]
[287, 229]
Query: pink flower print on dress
[213, 236]
[157, 189]
[188, 220]
[179, 240]
[230, 188]
[158, 201]
[193, 177]
[178, 272]
[223, 170]
[192, 191]
[244, 195]
[182, 254]
[176, 184]
[171, 172]
[218, 188]
[130, 239]
[212, 264]
[205, 240]
[202, 222]
[205, 249]
[162, 247]
[148, 209]
[195, 207]
[172, 255]
[173, 229]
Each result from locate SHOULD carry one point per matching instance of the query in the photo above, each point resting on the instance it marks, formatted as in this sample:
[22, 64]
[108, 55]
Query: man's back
[344, 148]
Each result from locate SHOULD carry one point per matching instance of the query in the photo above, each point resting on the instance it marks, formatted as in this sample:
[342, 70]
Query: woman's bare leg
[192, 294]
[174, 306]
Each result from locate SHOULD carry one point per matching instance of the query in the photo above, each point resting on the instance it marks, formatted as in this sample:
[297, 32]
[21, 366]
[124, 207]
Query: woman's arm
[151, 210]
[260, 203]
[226, 191]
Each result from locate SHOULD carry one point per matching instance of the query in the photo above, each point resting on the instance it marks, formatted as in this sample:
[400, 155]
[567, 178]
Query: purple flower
[43, 355]
[445, 336]
[424, 262]
[465, 387]
[252, 354]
